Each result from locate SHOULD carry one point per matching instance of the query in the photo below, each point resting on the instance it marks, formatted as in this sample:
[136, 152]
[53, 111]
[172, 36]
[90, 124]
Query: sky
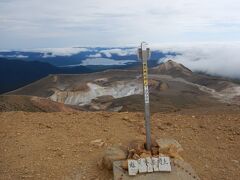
[67, 23]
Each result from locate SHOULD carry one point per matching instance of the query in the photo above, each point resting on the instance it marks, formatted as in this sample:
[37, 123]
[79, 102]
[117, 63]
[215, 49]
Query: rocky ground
[69, 145]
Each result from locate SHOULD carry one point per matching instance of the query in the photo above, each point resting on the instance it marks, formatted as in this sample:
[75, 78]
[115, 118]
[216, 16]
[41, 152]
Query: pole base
[181, 170]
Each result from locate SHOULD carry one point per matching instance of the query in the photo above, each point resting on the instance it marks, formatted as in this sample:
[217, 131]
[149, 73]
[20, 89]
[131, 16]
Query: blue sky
[64, 23]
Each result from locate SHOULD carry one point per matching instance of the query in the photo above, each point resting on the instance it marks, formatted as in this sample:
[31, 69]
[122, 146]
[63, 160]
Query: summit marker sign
[144, 55]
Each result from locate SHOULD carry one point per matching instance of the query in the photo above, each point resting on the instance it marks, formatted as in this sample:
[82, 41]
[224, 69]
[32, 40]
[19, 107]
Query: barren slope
[57, 145]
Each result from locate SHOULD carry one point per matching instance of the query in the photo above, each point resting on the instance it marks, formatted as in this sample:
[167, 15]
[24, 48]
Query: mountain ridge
[172, 86]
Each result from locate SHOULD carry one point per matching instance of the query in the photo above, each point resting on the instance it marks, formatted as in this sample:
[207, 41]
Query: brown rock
[146, 154]
[137, 145]
[165, 143]
[113, 154]
[136, 156]
[155, 151]
[131, 152]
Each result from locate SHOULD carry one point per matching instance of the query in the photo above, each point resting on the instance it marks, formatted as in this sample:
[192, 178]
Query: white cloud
[61, 23]
[14, 56]
[98, 55]
[214, 58]
[119, 52]
[53, 52]
[104, 62]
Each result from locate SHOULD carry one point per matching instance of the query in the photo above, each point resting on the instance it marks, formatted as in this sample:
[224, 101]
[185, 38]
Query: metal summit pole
[144, 55]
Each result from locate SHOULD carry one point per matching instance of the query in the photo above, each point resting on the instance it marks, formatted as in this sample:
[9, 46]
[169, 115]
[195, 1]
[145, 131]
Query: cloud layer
[214, 58]
[61, 23]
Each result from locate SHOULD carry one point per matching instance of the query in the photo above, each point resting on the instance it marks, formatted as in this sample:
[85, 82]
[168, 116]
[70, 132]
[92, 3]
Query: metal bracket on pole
[144, 55]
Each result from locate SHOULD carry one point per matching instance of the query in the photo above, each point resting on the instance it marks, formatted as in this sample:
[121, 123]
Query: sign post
[144, 55]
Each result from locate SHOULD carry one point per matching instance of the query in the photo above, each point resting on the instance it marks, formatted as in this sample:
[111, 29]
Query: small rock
[168, 124]
[161, 128]
[136, 156]
[131, 153]
[235, 161]
[146, 154]
[97, 143]
[126, 118]
[202, 126]
[155, 151]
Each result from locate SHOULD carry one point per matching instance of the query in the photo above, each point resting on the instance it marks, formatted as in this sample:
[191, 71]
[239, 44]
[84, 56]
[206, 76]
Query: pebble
[125, 118]
[97, 143]
[235, 161]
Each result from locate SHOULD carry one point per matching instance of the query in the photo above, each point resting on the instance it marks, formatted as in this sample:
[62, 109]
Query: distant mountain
[16, 73]
[172, 86]
[172, 68]
[21, 67]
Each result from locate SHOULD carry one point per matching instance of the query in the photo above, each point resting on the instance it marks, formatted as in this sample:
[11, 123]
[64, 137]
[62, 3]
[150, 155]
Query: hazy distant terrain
[82, 55]
[19, 68]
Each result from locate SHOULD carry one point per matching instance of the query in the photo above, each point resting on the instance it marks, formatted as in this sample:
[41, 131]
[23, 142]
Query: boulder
[165, 143]
[170, 147]
[113, 154]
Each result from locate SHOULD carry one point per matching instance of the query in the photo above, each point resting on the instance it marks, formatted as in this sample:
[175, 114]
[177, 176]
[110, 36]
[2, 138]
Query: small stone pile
[136, 150]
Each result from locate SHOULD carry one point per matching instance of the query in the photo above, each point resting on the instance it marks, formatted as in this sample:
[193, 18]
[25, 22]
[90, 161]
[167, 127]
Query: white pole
[144, 54]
